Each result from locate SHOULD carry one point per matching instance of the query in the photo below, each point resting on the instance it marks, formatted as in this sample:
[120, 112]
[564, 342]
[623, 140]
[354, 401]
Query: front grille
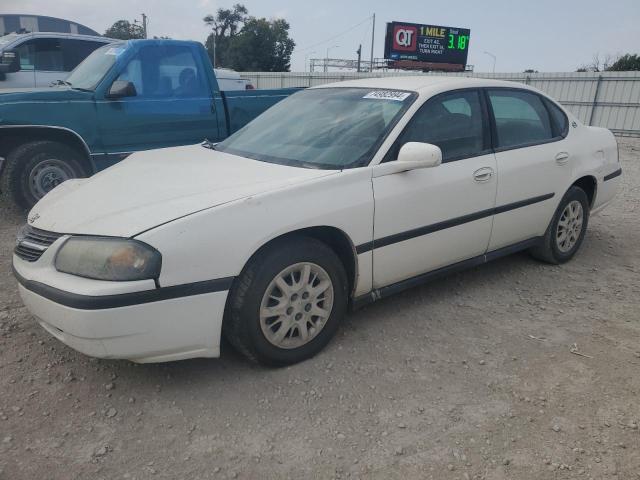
[32, 243]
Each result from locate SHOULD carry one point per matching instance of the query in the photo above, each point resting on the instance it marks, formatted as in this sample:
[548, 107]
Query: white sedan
[337, 196]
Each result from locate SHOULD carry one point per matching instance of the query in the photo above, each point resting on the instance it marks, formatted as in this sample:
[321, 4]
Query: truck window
[166, 71]
[27, 53]
[75, 51]
[48, 54]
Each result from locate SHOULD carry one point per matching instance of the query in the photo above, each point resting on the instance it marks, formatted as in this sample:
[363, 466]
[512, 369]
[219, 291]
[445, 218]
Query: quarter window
[452, 121]
[521, 118]
[27, 54]
[559, 118]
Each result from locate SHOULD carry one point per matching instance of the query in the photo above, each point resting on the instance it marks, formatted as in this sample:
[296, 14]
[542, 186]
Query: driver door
[172, 106]
[428, 218]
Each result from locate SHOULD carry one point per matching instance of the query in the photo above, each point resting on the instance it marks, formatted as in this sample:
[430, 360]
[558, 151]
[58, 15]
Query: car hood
[157, 186]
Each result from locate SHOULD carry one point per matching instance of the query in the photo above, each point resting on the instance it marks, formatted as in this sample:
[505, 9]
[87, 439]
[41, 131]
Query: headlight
[103, 258]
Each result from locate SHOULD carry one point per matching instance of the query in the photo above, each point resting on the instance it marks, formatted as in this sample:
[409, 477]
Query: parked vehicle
[37, 59]
[339, 194]
[231, 80]
[125, 97]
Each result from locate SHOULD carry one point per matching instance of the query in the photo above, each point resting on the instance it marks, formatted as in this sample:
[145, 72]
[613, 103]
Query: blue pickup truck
[125, 97]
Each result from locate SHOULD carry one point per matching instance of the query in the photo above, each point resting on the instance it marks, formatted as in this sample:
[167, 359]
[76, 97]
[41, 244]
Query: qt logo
[405, 38]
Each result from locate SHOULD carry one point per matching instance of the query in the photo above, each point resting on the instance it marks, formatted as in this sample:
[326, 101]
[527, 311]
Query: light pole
[494, 60]
[326, 59]
[305, 60]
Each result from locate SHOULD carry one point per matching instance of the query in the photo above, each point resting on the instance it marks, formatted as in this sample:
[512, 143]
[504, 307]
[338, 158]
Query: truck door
[172, 105]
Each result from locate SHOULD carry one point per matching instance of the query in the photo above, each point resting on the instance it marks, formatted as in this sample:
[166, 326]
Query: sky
[545, 35]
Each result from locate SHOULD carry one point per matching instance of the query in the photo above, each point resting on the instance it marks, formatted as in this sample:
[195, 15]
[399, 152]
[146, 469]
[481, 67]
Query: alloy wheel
[296, 305]
[569, 226]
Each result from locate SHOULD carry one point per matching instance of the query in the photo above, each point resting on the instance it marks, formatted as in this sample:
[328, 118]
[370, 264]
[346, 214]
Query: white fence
[607, 99]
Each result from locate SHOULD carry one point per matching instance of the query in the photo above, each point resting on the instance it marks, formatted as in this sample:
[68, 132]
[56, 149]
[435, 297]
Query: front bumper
[135, 321]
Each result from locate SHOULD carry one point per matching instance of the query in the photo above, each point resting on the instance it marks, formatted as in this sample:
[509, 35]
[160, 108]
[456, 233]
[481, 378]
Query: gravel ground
[511, 370]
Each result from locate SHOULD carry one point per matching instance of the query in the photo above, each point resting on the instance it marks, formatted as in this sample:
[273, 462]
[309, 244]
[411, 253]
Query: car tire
[567, 229]
[34, 168]
[273, 323]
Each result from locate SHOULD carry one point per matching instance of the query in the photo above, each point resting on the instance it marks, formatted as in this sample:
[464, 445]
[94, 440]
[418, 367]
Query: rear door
[173, 104]
[534, 164]
[429, 218]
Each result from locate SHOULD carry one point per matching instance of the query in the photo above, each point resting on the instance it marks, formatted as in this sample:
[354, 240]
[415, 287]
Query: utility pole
[359, 52]
[305, 60]
[373, 38]
[326, 59]
[144, 25]
[214, 48]
[494, 60]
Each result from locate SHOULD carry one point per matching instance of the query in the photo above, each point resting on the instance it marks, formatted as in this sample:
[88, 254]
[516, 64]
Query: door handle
[562, 158]
[483, 174]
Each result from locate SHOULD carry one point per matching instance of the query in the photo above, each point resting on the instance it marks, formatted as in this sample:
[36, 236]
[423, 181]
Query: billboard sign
[426, 43]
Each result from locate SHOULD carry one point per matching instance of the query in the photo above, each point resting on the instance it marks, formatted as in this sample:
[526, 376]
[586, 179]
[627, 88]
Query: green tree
[247, 43]
[262, 45]
[626, 63]
[124, 30]
[225, 25]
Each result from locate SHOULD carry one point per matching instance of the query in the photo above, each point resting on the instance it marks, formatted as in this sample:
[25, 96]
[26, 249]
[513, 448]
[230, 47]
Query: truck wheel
[35, 168]
[287, 303]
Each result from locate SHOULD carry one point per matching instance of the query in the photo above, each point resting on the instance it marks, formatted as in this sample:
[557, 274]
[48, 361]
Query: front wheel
[567, 229]
[287, 303]
[36, 168]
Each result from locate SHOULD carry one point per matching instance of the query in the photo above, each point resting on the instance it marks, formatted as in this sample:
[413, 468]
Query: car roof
[422, 83]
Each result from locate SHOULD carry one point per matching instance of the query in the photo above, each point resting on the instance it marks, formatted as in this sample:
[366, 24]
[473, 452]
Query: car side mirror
[9, 61]
[412, 156]
[121, 89]
[420, 155]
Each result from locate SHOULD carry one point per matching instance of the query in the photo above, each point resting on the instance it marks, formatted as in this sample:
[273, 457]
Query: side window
[75, 51]
[162, 72]
[27, 53]
[452, 121]
[559, 119]
[48, 55]
[521, 118]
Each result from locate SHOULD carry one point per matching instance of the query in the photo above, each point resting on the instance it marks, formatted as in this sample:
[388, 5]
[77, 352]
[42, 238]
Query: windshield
[88, 74]
[332, 128]
[7, 39]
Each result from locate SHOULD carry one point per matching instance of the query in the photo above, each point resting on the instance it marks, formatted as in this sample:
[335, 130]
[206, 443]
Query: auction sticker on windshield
[387, 95]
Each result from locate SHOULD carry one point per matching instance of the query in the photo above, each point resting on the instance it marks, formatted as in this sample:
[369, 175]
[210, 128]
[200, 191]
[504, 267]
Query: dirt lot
[473, 376]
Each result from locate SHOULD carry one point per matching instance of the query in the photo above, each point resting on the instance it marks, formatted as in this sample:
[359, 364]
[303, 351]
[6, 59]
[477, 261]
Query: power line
[335, 36]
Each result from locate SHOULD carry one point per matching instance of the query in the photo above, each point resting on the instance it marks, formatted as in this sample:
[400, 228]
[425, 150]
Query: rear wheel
[567, 229]
[34, 169]
[287, 303]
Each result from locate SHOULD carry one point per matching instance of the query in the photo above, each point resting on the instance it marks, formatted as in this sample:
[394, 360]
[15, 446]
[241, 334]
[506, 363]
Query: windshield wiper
[69, 84]
[209, 144]
[60, 82]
